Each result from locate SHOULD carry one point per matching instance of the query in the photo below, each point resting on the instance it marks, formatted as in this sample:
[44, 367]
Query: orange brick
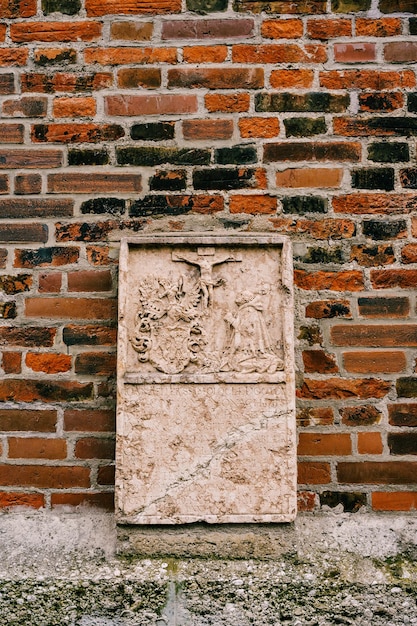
[227, 103]
[329, 28]
[13, 498]
[319, 177]
[48, 363]
[334, 281]
[279, 53]
[259, 127]
[370, 443]
[9, 56]
[49, 56]
[55, 31]
[96, 8]
[124, 56]
[282, 29]
[366, 79]
[204, 54]
[12, 362]
[74, 107]
[384, 362]
[394, 500]
[342, 388]
[283, 79]
[312, 444]
[253, 204]
[37, 448]
[383, 27]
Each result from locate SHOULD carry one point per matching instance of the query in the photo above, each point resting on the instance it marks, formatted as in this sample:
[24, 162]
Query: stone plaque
[205, 418]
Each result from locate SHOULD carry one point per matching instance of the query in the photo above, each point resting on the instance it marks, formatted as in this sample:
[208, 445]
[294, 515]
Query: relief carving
[173, 332]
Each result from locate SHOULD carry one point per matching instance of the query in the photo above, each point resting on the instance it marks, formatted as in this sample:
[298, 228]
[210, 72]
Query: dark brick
[18, 233]
[55, 256]
[161, 205]
[88, 157]
[8, 310]
[112, 206]
[373, 178]
[6, 84]
[350, 6]
[311, 334]
[398, 6]
[168, 181]
[239, 155]
[389, 152]
[314, 102]
[304, 126]
[225, 179]
[89, 335]
[158, 156]
[407, 387]
[370, 256]
[322, 255]
[309, 7]
[26, 208]
[383, 230]
[402, 443]
[15, 284]
[382, 472]
[309, 151]
[153, 131]
[69, 7]
[304, 204]
[95, 363]
[380, 101]
[29, 336]
[351, 502]
[384, 307]
[207, 6]
[408, 178]
[412, 24]
[360, 415]
[403, 415]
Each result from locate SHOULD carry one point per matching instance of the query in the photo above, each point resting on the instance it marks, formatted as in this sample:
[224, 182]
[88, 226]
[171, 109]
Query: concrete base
[69, 568]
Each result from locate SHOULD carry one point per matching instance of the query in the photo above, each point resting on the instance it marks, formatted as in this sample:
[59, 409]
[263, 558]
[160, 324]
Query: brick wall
[293, 116]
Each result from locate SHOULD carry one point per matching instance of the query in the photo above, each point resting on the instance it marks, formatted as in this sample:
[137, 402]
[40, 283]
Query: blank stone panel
[205, 418]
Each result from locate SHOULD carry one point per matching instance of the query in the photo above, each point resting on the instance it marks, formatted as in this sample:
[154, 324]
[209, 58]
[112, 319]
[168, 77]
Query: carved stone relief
[205, 380]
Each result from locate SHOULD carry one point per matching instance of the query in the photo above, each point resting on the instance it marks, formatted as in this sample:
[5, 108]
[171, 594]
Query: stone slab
[205, 419]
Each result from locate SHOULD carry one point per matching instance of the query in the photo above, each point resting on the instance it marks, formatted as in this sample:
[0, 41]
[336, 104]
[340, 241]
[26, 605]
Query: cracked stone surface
[206, 427]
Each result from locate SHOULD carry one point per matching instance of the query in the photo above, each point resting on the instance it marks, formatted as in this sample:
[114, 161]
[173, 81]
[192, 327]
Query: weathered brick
[328, 309]
[55, 31]
[373, 178]
[84, 231]
[207, 6]
[313, 473]
[311, 151]
[350, 6]
[354, 52]
[26, 106]
[380, 102]
[409, 253]
[9, 56]
[375, 362]
[313, 102]
[387, 279]
[100, 206]
[304, 126]
[27, 390]
[389, 152]
[384, 307]
[171, 104]
[301, 205]
[16, 284]
[350, 501]
[282, 29]
[237, 155]
[318, 361]
[377, 126]
[207, 28]
[65, 82]
[4, 184]
[168, 181]
[334, 281]
[375, 335]
[18, 8]
[210, 78]
[175, 205]
[342, 388]
[99, 255]
[407, 387]
[8, 311]
[96, 8]
[94, 183]
[403, 415]
[263, 127]
[150, 156]
[318, 229]
[76, 133]
[95, 363]
[310, 7]
[17, 498]
[145, 77]
[363, 415]
[402, 443]
[89, 335]
[408, 178]
[55, 56]
[25, 184]
[243, 178]
[53, 256]
[377, 472]
[384, 230]
[7, 84]
[311, 334]
[315, 416]
[11, 133]
[68, 7]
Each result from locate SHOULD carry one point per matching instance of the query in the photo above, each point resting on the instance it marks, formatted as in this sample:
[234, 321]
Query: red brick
[370, 443]
[49, 363]
[307, 501]
[342, 388]
[94, 448]
[9, 56]
[208, 28]
[282, 29]
[366, 79]
[55, 31]
[227, 103]
[36, 448]
[315, 416]
[329, 28]
[101, 500]
[373, 473]
[89, 420]
[94, 183]
[374, 362]
[97, 8]
[400, 52]
[291, 78]
[90, 280]
[204, 54]
[327, 309]
[263, 127]
[12, 362]
[404, 414]
[131, 31]
[318, 177]
[318, 229]
[17, 498]
[334, 281]
[360, 415]
[66, 81]
[28, 420]
[50, 282]
[27, 336]
[25, 390]
[71, 308]
[318, 361]
[76, 133]
[375, 335]
[388, 279]
[11, 133]
[354, 52]
[74, 107]
[313, 473]
[17, 8]
[145, 77]
[210, 78]
[25, 184]
[207, 129]
[409, 253]
[312, 444]
[373, 27]
[44, 477]
[253, 204]
[125, 55]
[279, 53]
[95, 363]
[394, 501]
[171, 104]
[375, 203]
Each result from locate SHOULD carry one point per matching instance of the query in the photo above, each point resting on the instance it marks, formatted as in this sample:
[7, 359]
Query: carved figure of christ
[205, 259]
